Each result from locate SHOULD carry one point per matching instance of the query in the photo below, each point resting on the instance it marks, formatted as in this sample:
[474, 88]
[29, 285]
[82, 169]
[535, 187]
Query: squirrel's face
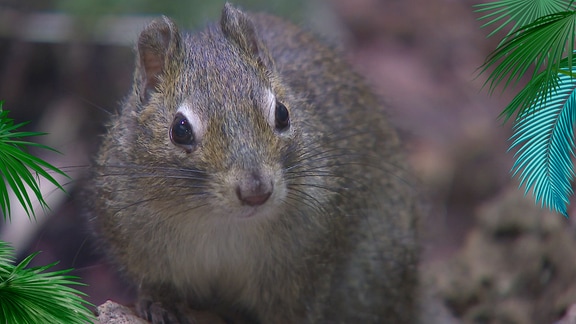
[239, 136]
[211, 109]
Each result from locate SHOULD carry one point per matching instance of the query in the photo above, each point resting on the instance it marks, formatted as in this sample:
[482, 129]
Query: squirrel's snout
[254, 189]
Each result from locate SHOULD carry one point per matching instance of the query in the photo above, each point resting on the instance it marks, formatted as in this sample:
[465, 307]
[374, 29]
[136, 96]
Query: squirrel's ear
[239, 29]
[158, 44]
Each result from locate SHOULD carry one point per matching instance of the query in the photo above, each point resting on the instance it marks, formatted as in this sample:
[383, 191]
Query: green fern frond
[19, 169]
[540, 46]
[32, 295]
[518, 12]
[545, 134]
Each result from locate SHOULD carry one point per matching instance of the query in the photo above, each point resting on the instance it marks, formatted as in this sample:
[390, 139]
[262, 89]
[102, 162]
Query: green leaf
[540, 46]
[32, 295]
[545, 134]
[19, 169]
[518, 12]
[540, 87]
[37, 166]
[4, 198]
[6, 257]
[13, 172]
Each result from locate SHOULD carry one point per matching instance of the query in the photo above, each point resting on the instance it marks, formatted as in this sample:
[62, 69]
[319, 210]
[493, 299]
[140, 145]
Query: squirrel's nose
[253, 190]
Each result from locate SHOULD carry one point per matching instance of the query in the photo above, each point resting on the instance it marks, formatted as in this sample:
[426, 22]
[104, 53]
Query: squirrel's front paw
[158, 313]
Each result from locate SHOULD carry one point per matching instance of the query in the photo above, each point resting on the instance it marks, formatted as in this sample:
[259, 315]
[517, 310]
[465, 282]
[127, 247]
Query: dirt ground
[490, 254]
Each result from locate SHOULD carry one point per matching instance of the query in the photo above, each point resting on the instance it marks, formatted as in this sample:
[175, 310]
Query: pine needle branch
[32, 295]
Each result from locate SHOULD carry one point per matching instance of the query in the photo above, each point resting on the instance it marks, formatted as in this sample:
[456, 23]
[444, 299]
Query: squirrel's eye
[282, 116]
[181, 133]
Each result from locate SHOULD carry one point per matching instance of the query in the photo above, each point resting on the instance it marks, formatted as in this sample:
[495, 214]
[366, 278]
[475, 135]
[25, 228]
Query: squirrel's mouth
[248, 212]
[259, 211]
[245, 212]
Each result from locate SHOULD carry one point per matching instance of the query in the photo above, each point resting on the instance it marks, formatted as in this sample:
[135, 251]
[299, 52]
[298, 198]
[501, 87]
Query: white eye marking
[270, 103]
[193, 118]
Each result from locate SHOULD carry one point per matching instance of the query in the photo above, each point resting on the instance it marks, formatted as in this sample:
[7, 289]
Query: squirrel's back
[252, 173]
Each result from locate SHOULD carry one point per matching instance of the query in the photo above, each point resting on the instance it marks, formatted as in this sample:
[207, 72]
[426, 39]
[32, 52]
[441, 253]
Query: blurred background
[489, 253]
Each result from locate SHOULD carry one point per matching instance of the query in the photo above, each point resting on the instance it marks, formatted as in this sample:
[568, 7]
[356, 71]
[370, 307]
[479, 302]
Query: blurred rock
[518, 265]
[113, 313]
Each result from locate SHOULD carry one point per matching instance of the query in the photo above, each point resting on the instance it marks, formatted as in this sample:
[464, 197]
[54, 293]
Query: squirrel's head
[212, 108]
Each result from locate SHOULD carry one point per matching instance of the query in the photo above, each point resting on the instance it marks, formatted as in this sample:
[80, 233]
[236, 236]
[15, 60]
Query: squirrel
[251, 174]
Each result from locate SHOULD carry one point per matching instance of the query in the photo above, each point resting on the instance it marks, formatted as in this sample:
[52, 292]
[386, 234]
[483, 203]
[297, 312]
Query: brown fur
[336, 240]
